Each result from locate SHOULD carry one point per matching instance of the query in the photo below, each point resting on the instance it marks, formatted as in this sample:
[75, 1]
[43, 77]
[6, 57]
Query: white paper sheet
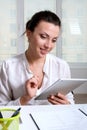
[70, 119]
[84, 109]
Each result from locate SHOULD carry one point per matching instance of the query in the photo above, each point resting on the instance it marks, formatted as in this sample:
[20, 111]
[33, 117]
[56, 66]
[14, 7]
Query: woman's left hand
[58, 99]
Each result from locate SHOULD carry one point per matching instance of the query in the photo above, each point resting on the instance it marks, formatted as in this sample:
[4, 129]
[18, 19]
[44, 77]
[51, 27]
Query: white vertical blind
[74, 31]
[8, 29]
[72, 46]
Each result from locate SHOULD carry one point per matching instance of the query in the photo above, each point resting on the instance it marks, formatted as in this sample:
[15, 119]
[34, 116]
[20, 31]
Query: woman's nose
[48, 44]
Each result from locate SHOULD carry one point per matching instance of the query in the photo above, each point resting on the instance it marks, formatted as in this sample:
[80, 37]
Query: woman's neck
[36, 66]
[33, 59]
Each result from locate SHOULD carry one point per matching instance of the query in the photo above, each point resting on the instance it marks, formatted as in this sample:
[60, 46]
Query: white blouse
[15, 72]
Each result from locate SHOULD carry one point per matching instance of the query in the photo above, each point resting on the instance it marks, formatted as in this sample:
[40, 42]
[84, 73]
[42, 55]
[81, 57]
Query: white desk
[63, 110]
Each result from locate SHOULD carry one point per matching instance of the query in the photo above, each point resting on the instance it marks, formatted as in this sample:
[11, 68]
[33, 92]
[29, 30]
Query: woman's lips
[44, 51]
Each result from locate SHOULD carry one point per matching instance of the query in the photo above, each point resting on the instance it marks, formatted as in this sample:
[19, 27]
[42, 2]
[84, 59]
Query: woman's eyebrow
[47, 35]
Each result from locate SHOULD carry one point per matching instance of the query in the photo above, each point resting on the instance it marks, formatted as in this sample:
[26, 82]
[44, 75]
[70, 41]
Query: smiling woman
[43, 38]
[27, 74]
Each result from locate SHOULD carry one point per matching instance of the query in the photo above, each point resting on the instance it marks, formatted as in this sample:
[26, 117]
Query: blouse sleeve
[5, 90]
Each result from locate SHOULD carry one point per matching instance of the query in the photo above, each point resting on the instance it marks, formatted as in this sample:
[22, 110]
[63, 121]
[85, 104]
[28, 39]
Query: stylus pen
[34, 121]
[82, 112]
[16, 112]
[1, 115]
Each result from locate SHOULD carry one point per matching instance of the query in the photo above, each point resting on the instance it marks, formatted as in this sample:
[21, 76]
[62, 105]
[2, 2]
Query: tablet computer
[63, 86]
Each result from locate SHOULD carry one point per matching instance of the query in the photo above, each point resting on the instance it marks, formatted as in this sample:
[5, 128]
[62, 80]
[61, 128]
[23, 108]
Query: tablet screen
[63, 86]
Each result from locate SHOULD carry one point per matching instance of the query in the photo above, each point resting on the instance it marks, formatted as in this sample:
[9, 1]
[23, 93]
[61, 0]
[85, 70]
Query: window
[74, 39]
[72, 44]
[8, 28]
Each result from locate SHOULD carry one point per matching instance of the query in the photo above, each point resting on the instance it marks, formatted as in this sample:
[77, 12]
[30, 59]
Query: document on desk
[70, 119]
[83, 109]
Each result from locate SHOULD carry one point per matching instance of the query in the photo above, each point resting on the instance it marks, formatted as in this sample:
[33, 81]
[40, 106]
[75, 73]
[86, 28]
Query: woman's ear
[28, 32]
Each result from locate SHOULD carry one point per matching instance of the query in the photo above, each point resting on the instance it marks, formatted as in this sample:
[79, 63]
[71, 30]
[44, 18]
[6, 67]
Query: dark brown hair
[46, 15]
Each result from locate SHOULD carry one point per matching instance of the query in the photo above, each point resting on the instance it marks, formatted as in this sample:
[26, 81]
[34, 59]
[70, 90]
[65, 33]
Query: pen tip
[19, 108]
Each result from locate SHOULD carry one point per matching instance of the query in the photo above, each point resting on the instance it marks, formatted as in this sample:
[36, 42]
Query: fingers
[58, 99]
[33, 82]
[62, 98]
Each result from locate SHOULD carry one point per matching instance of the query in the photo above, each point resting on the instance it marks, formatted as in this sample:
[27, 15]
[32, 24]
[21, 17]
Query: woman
[26, 75]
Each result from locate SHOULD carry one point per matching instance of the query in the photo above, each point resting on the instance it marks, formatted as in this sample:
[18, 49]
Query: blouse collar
[45, 68]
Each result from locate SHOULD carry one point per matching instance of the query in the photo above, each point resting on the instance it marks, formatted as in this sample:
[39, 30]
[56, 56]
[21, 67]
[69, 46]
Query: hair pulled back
[46, 16]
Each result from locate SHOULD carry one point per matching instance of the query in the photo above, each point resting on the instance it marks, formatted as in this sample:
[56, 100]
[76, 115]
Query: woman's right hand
[31, 87]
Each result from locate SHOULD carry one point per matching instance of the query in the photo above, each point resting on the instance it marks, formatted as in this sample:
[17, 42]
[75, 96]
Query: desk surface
[63, 110]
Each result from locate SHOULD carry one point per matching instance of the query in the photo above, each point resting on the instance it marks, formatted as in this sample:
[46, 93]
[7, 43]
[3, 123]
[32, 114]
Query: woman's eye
[43, 36]
[54, 40]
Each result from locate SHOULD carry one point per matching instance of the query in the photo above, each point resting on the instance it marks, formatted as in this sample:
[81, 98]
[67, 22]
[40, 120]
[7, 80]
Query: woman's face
[43, 39]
